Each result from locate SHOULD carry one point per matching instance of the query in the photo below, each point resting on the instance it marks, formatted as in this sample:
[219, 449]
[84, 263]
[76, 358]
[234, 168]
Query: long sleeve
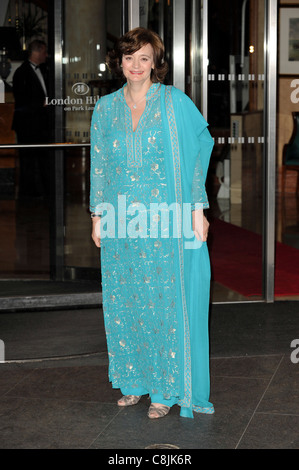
[98, 163]
[199, 195]
[196, 145]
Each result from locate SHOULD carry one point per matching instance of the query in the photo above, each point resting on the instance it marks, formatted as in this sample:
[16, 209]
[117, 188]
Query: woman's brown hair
[132, 42]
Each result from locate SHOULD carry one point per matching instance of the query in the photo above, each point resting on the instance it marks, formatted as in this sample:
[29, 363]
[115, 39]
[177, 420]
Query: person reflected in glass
[150, 151]
[31, 120]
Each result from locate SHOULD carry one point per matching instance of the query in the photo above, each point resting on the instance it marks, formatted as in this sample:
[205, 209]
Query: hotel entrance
[218, 54]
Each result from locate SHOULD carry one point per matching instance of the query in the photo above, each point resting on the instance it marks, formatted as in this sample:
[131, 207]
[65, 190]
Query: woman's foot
[128, 400]
[157, 410]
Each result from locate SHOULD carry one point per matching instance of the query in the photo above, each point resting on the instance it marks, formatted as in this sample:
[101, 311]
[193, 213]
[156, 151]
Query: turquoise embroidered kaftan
[155, 278]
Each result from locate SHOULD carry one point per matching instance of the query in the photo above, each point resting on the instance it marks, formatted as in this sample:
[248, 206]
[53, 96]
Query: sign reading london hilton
[81, 102]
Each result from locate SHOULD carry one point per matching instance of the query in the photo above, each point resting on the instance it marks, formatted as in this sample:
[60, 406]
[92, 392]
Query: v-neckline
[150, 92]
[140, 118]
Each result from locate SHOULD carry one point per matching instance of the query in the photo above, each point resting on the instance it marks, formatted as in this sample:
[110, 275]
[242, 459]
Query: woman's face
[138, 66]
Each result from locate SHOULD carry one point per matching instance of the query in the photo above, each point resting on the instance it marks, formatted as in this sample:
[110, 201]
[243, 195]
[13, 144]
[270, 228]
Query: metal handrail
[58, 145]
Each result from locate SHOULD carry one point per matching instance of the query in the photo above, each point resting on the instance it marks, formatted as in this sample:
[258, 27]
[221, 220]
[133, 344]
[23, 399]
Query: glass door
[218, 53]
[89, 30]
[25, 164]
[217, 56]
[44, 176]
[236, 115]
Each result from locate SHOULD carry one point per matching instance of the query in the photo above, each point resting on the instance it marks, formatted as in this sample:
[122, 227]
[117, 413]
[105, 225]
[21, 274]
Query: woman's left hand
[200, 225]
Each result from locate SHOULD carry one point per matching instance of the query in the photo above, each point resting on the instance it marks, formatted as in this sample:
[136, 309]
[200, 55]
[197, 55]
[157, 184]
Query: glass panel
[24, 173]
[287, 214]
[236, 115]
[33, 216]
[85, 78]
[194, 52]
[158, 16]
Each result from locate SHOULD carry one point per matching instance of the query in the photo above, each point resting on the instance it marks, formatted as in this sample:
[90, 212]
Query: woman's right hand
[95, 234]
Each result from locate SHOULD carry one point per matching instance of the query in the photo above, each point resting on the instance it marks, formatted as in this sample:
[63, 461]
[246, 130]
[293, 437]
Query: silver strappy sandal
[128, 400]
[157, 410]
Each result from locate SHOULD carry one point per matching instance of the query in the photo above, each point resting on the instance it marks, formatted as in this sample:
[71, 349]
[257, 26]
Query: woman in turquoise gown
[150, 151]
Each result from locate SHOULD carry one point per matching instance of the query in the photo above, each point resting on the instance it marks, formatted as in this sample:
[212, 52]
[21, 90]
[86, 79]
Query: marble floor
[55, 394]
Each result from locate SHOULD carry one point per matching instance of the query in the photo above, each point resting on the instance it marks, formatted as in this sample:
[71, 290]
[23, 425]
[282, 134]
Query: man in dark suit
[31, 119]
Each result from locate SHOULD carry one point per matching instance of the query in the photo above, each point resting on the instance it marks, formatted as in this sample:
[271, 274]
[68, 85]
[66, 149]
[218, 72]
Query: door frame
[270, 67]
[269, 183]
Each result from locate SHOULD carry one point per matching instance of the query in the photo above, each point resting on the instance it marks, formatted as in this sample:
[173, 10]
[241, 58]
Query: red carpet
[236, 258]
